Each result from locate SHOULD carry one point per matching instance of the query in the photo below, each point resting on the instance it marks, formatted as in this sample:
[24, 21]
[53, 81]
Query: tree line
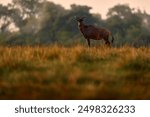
[32, 22]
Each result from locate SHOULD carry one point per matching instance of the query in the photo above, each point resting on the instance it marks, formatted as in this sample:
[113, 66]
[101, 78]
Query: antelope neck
[81, 24]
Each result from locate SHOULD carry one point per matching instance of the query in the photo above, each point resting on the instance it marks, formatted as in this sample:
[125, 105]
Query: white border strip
[75, 108]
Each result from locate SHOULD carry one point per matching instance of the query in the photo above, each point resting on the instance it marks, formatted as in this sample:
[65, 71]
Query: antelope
[92, 32]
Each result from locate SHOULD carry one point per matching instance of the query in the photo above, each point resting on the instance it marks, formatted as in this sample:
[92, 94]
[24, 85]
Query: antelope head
[79, 19]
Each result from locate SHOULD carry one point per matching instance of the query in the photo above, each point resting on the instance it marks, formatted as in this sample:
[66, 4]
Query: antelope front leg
[107, 43]
[88, 40]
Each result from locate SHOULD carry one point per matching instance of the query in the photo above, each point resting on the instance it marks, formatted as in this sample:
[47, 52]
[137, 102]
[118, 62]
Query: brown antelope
[92, 32]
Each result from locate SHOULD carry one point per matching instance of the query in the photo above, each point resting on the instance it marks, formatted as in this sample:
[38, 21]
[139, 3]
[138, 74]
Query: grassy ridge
[74, 73]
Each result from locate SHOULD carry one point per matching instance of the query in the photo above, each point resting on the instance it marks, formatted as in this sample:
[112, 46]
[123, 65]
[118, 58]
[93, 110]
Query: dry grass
[74, 73]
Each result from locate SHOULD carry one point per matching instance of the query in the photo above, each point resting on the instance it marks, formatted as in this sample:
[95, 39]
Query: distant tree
[24, 13]
[48, 19]
[125, 22]
[4, 19]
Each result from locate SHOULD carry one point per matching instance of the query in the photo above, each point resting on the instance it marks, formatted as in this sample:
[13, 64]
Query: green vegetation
[32, 22]
[58, 72]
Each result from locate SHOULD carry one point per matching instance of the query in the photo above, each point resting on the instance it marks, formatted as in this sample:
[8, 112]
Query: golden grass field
[78, 72]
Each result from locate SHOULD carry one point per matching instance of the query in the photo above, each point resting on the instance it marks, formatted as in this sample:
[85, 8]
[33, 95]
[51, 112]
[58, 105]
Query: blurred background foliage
[40, 22]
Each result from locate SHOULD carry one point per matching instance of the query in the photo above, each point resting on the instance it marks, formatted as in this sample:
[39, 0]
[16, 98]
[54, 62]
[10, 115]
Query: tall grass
[77, 72]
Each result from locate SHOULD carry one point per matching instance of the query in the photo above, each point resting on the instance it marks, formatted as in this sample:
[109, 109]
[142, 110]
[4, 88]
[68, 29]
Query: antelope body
[92, 32]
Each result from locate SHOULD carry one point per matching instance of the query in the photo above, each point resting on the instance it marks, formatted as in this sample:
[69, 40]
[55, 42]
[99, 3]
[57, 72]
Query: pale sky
[101, 6]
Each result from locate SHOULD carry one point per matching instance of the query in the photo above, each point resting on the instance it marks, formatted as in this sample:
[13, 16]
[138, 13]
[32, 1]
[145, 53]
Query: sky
[101, 6]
